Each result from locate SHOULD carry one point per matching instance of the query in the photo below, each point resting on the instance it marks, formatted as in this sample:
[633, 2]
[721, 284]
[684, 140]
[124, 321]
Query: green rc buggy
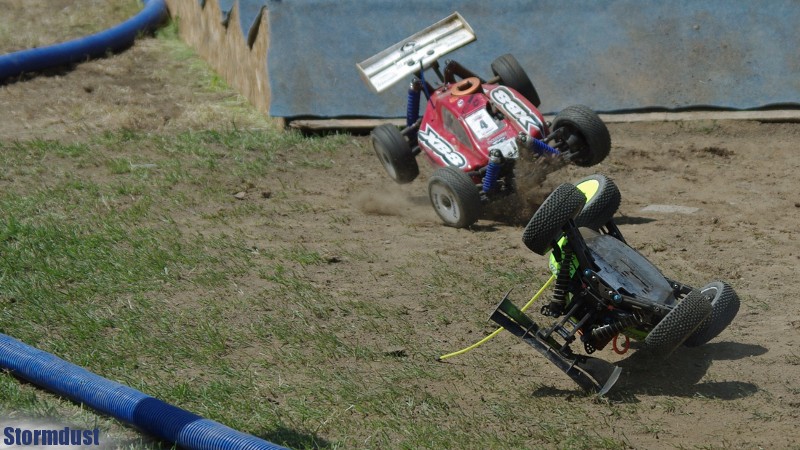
[606, 291]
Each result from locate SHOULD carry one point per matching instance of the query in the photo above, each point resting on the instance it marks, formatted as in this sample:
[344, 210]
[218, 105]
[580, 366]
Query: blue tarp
[610, 55]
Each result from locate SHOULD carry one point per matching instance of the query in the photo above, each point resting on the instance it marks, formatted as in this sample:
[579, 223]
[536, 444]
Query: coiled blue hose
[126, 404]
[99, 44]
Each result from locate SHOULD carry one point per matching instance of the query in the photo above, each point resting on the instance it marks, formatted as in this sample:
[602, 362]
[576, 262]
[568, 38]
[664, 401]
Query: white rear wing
[415, 53]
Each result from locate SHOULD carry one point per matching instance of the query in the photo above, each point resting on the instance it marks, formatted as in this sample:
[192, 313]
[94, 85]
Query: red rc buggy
[474, 129]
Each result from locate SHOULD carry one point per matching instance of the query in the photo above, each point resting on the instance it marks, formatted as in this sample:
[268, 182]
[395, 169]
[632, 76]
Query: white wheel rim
[445, 204]
[383, 155]
[713, 290]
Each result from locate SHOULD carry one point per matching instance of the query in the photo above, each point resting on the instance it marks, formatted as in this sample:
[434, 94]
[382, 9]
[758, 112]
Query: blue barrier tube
[151, 415]
[93, 46]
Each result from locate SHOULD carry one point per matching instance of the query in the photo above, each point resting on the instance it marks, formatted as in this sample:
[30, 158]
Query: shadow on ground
[294, 439]
[680, 375]
[630, 220]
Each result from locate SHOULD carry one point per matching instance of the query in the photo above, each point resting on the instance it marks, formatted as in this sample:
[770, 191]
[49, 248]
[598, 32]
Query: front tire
[584, 133]
[394, 153]
[678, 324]
[454, 197]
[724, 307]
[546, 225]
[513, 75]
[602, 201]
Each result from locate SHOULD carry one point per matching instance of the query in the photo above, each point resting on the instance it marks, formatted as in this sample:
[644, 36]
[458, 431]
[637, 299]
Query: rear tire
[454, 197]
[394, 153]
[546, 225]
[724, 307]
[513, 75]
[602, 201]
[585, 133]
[678, 324]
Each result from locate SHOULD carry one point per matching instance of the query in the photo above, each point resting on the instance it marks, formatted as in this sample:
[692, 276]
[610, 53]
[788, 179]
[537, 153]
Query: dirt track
[740, 391]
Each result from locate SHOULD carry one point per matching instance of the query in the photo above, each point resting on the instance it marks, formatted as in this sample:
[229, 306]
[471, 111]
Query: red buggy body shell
[457, 130]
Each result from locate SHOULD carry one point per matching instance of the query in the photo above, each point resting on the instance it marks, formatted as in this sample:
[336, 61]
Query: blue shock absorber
[540, 147]
[412, 108]
[492, 170]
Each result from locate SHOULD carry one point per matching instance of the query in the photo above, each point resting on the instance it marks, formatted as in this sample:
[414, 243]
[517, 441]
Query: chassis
[604, 290]
[473, 129]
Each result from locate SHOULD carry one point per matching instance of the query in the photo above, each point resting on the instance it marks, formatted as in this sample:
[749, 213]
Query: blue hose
[153, 416]
[93, 46]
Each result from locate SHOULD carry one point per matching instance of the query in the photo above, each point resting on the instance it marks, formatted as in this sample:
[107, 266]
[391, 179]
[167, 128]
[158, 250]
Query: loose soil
[740, 175]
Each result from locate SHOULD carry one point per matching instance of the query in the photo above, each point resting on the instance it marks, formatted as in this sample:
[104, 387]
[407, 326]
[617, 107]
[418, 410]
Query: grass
[73, 21]
[218, 265]
[102, 266]
[90, 260]
[126, 252]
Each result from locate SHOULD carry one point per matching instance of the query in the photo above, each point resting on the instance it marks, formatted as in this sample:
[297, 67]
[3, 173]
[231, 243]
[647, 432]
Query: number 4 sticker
[481, 124]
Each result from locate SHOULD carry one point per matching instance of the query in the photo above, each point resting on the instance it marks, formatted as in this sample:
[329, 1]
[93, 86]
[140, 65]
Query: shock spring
[540, 147]
[602, 335]
[563, 279]
[492, 170]
[412, 107]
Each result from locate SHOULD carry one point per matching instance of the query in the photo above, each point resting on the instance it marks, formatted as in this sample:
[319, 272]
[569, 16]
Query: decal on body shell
[443, 149]
[516, 109]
